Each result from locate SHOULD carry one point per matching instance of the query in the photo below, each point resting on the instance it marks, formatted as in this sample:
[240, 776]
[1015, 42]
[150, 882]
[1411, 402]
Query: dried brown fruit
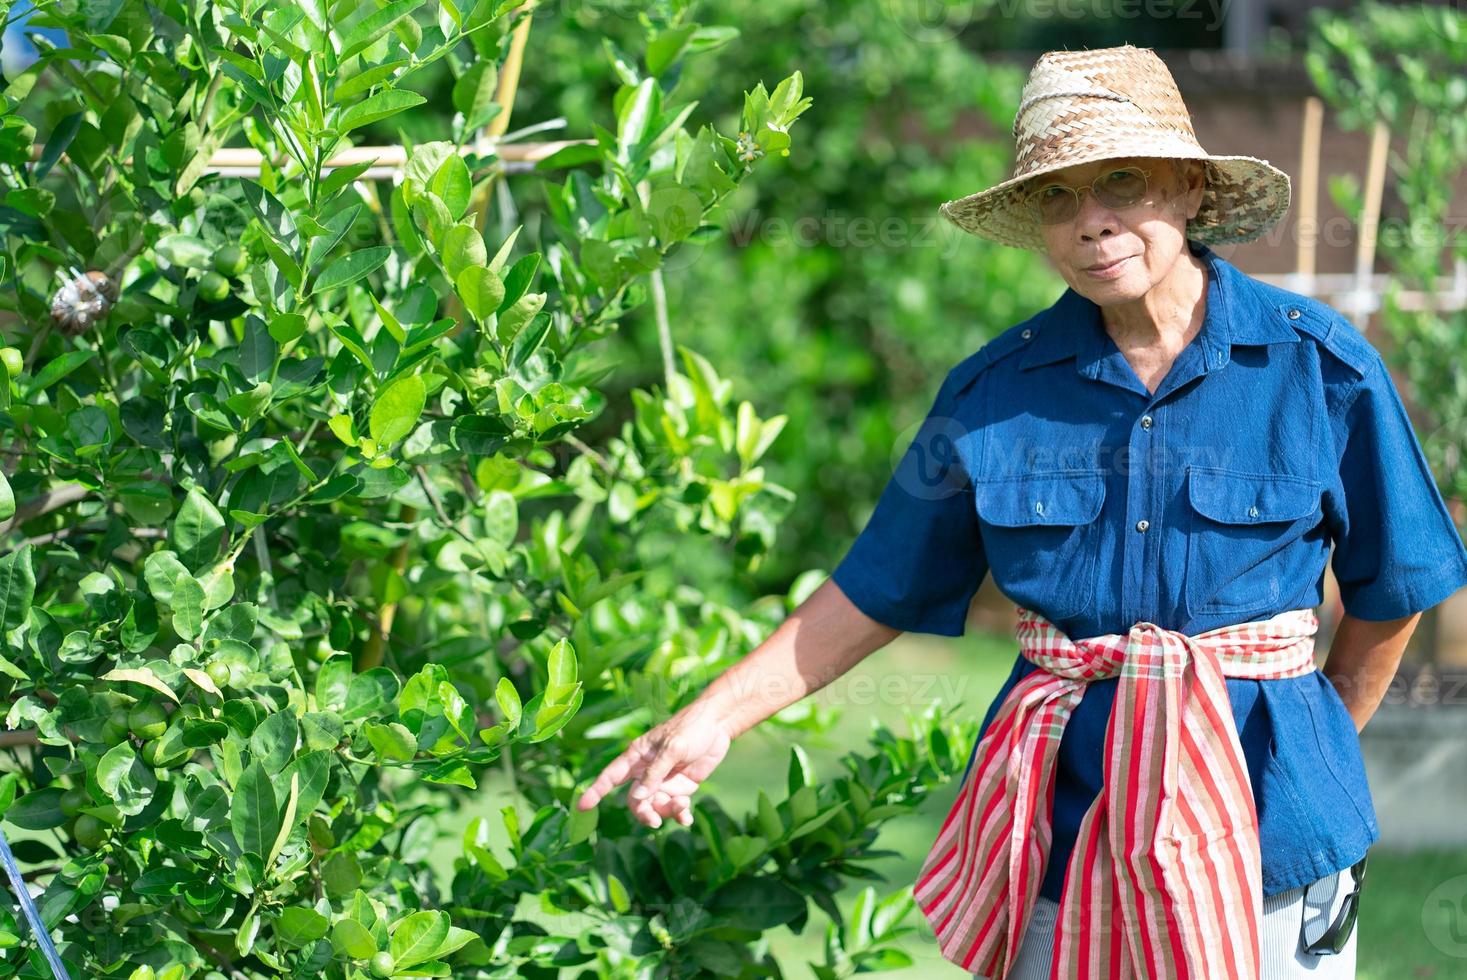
[83, 302]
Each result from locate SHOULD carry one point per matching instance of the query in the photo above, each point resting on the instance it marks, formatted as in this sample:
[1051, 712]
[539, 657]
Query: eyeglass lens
[1116, 189]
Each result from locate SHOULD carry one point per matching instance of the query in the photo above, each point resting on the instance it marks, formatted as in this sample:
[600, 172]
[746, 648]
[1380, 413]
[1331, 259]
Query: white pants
[1312, 907]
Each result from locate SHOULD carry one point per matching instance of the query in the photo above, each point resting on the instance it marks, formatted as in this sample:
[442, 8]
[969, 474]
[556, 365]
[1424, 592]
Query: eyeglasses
[1334, 938]
[1056, 202]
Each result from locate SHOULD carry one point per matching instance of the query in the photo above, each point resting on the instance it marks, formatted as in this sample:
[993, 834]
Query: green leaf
[481, 291]
[392, 741]
[125, 779]
[635, 113]
[185, 250]
[351, 938]
[197, 531]
[453, 185]
[397, 409]
[509, 701]
[351, 267]
[17, 588]
[273, 742]
[416, 939]
[188, 607]
[38, 810]
[800, 775]
[299, 925]
[56, 369]
[379, 106]
[462, 247]
[163, 571]
[562, 665]
[341, 426]
[369, 694]
[374, 25]
[473, 94]
[254, 814]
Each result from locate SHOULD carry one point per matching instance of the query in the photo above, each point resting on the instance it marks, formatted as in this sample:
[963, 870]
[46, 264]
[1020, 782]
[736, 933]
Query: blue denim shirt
[1276, 434]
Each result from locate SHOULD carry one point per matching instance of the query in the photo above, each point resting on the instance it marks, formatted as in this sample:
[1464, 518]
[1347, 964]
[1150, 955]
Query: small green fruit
[147, 720]
[154, 754]
[14, 360]
[115, 729]
[218, 672]
[89, 832]
[73, 800]
[322, 651]
[383, 965]
[213, 287]
[230, 260]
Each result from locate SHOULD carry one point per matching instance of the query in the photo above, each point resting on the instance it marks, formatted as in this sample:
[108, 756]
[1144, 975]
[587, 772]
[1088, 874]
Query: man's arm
[821, 640]
[1363, 658]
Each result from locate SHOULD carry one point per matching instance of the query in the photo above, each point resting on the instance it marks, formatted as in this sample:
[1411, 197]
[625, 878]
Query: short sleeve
[919, 560]
[1397, 550]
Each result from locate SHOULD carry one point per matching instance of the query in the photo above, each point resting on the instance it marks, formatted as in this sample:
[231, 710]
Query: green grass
[1406, 930]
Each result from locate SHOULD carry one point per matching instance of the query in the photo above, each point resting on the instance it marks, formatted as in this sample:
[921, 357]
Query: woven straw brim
[1242, 198]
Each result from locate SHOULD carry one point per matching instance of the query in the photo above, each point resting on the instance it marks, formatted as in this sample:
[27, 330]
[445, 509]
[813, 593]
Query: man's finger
[615, 773]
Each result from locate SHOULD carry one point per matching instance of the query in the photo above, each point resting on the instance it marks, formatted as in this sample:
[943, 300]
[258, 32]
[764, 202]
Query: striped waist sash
[1165, 880]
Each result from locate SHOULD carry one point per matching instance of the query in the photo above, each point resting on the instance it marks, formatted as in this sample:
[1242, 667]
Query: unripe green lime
[230, 260]
[73, 800]
[383, 965]
[322, 651]
[115, 729]
[156, 754]
[213, 287]
[147, 720]
[218, 672]
[14, 360]
[89, 832]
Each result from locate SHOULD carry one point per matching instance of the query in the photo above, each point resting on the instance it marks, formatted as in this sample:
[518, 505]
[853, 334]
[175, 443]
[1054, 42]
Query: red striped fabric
[1165, 880]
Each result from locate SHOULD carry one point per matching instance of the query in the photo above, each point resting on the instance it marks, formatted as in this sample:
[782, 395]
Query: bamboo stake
[1308, 197]
[1370, 223]
[242, 161]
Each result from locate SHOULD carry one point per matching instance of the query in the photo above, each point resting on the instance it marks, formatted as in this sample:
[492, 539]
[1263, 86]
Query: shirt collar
[1235, 314]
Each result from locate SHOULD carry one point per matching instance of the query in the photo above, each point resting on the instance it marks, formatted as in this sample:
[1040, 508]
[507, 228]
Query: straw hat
[1082, 106]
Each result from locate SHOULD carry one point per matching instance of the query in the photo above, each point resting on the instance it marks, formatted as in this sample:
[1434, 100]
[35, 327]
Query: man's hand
[670, 762]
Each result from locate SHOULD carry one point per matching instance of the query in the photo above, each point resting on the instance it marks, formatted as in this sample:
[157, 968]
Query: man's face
[1146, 237]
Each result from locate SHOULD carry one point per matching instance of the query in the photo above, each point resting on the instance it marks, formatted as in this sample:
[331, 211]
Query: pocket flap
[1251, 498]
[1041, 498]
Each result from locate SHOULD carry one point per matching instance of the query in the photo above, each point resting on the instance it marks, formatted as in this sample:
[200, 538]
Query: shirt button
[1252, 511]
[1146, 421]
[1294, 314]
[1038, 506]
[1027, 333]
[1142, 525]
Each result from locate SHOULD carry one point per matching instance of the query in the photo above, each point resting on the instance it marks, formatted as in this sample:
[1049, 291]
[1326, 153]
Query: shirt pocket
[1040, 534]
[1243, 547]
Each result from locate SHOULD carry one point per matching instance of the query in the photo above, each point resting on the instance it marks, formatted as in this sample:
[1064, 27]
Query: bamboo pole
[1308, 196]
[1375, 175]
[243, 161]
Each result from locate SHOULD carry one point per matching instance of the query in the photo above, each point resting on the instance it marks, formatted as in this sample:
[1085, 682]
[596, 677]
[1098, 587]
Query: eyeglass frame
[1334, 938]
[1077, 192]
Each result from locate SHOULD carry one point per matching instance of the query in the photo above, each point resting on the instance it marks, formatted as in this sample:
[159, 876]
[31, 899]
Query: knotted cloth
[1165, 880]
